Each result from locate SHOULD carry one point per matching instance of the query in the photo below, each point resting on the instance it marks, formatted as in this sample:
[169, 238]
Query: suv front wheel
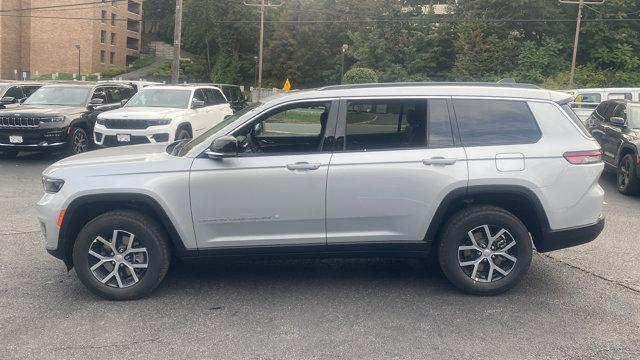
[121, 255]
[485, 250]
[628, 182]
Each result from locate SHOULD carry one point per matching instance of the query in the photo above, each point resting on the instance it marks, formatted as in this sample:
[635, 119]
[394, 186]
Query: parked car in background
[136, 84]
[234, 94]
[471, 172]
[161, 114]
[59, 117]
[14, 93]
[615, 124]
[586, 100]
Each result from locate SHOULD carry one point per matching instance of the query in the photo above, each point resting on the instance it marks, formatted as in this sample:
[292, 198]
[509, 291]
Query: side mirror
[223, 147]
[8, 100]
[258, 129]
[96, 101]
[196, 104]
[618, 121]
[22, 100]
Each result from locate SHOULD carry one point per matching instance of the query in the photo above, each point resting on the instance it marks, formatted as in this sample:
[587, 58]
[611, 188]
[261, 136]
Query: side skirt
[409, 249]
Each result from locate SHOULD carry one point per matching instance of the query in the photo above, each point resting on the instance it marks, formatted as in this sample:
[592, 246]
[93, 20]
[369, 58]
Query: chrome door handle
[439, 161]
[303, 166]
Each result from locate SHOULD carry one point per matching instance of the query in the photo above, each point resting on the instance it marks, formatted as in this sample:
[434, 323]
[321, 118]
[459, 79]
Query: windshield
[66, 96]
[202, 138]
[167, 98]
[634, 117]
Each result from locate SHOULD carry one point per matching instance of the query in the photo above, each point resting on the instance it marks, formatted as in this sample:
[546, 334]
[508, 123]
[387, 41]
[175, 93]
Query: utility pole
[177, 39]
[262, 5]
[581, 4]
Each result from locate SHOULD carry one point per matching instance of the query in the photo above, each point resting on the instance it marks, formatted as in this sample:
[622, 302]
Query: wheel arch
[519, 200]
[626, 149]
[85, 208]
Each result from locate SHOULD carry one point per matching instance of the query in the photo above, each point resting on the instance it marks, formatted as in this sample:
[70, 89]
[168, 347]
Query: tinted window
[214, 97]
[114, 95]
[621, 111]
[386, 124]
[14, 92]
[199, 95]
[100, 93]
[219, 97]
[495, 122]
[439, 124]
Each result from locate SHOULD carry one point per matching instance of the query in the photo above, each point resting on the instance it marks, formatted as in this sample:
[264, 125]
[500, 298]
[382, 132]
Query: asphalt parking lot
[574, 304]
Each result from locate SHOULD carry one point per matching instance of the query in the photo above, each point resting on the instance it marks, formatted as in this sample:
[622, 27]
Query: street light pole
[345, 47]
[79, 75]
[576, 42]
[255, 70]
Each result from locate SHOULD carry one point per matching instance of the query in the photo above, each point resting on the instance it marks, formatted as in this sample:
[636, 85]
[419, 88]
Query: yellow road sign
[287, 86]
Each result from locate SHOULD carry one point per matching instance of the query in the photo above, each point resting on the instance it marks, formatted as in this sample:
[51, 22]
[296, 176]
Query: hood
[142, 113]
[123, 157]
[42, 110]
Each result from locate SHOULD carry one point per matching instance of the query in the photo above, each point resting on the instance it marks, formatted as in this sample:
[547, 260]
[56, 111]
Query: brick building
[43, 37]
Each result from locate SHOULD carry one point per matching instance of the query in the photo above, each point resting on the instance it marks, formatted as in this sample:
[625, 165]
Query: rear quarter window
[495, 122]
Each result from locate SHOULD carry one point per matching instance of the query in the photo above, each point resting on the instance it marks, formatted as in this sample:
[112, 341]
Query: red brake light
[584, 157]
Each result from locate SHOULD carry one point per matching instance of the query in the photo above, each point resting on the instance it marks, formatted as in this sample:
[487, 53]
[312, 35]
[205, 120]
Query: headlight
[52, 185]
[54, 119]
[100, 121]
[159, 122]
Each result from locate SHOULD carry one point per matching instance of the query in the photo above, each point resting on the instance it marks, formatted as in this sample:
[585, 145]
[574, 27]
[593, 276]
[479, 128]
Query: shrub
[360, 76]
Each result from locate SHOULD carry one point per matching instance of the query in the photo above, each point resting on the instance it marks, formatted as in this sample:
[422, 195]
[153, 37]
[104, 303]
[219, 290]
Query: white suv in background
[472, 173]
[162, 114]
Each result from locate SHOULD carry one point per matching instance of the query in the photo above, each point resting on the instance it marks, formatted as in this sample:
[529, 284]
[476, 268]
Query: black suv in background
[234, 95]
[13, 93]
[615, 124]
[59, 117]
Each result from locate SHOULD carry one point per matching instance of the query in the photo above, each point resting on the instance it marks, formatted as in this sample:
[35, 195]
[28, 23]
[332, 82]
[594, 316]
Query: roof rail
[419, 84]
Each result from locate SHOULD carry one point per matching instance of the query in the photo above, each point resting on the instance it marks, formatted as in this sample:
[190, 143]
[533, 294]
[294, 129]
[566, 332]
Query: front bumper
[104, 137]
[39, 139]
[562, 239]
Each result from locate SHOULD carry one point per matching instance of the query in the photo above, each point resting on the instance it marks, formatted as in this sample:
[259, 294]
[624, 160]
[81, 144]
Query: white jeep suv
[159, 114]
[476, 174]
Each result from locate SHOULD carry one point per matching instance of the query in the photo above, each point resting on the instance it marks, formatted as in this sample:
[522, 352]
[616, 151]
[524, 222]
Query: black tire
[456, 234]
[627, 179]
[8, 154]
[147, 234]
[77, 142]
[183, 134]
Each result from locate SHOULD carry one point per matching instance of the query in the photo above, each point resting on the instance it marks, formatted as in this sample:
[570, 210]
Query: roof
[524, 91]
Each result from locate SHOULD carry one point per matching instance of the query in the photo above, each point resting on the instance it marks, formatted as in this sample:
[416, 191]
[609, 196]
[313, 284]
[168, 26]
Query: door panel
[389, 195]
[259, 201]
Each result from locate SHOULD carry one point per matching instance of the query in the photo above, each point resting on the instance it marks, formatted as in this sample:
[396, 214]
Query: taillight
[584, 157]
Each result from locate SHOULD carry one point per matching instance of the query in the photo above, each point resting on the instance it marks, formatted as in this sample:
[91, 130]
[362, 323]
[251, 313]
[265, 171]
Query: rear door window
[495, 122]
[620, 96]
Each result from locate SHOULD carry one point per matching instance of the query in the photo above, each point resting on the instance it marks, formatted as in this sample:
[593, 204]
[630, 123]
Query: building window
[102, 55]
[103, 16]
[112, 57]
[113, 19]
[103, 36]
[113, 38]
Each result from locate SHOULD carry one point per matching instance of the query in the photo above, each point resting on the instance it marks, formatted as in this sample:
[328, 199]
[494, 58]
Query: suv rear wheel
[121, 255]
[628, 182]
[485, 250]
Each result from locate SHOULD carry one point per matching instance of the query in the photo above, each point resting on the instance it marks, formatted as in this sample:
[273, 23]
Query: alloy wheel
[120, 262]
[624, 172]
[80, 143]
[487, 254]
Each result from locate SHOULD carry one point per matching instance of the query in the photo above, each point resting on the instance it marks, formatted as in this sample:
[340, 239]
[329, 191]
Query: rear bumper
[562, 239]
